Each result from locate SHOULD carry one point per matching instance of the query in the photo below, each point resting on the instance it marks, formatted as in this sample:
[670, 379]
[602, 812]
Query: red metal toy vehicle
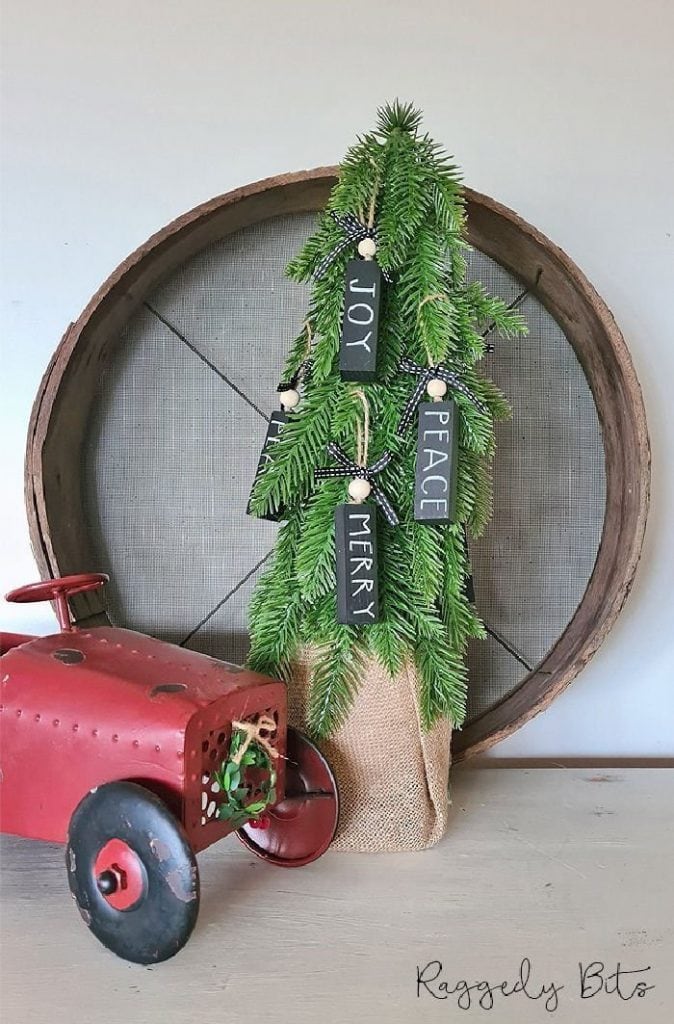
[111, 741]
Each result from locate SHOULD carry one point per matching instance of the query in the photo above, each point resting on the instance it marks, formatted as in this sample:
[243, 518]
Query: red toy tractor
[138, 754]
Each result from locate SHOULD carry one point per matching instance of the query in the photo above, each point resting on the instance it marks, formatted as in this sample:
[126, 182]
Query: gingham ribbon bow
[354, 231]
[303, 373]
[426, 373]
[347, 467]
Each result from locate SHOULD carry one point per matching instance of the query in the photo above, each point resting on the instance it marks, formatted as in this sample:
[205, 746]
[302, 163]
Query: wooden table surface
[558, 866]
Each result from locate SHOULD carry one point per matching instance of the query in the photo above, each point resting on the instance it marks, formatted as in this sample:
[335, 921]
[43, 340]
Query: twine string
[253, 731]
[429, 298]
[362, 431]
[373, 201]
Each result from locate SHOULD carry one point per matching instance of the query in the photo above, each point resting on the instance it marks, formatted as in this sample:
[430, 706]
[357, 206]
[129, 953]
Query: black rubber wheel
[132, 872]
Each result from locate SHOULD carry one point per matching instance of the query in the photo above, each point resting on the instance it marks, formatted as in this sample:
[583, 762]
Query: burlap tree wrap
[392, 776]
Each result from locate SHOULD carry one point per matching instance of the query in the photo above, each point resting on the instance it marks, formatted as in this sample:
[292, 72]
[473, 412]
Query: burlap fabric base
[392, 776]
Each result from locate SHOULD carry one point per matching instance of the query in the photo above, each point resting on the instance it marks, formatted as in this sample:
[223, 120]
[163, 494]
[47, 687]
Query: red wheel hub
[120, 875]
[300, 827]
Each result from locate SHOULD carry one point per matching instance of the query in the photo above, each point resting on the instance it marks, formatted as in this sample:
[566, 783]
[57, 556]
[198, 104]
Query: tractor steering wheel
[49, 590]
[59, 590]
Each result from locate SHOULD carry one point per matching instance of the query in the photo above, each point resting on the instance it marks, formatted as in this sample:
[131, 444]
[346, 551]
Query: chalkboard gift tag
[276, 423]
[356, 564]
[437, 462]
[360, 325]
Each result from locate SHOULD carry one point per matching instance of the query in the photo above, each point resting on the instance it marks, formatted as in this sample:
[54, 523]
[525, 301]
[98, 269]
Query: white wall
[120, 116]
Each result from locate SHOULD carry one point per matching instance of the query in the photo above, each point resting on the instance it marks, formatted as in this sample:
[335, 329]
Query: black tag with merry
[356, 553]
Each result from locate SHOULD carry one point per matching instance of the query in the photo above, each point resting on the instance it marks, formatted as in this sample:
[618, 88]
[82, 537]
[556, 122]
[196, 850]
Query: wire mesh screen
[180, 417]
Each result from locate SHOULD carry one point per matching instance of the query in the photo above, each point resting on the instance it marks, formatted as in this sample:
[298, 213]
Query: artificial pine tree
[398, 198]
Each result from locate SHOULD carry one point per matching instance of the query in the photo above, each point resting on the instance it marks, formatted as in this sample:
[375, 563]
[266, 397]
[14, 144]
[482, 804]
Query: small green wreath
[230, 777]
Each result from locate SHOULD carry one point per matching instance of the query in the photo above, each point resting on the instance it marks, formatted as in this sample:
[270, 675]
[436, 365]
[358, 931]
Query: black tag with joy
[360, 326]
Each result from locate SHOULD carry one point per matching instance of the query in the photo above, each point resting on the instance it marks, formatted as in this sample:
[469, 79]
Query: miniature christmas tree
[385, 462]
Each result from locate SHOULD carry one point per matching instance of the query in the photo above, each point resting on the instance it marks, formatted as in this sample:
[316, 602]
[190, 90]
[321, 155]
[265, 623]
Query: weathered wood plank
[560, 866]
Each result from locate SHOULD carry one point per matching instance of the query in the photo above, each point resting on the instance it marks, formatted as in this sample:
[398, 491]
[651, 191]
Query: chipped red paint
[71, 725]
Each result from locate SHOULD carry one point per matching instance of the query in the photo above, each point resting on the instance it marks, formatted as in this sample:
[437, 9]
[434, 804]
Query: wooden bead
[367, 248]
[359, 489]
[289, 399]
[436, 388]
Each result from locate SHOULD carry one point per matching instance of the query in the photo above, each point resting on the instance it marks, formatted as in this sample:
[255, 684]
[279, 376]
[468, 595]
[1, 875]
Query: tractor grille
[215, 748]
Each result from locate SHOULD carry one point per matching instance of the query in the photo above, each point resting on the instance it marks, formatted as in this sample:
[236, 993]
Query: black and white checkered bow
[354, 231]
[302, 373]
[347, 467]
[426, 373]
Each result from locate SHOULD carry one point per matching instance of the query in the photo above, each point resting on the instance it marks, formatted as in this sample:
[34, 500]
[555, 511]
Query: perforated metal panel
[180, 417]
